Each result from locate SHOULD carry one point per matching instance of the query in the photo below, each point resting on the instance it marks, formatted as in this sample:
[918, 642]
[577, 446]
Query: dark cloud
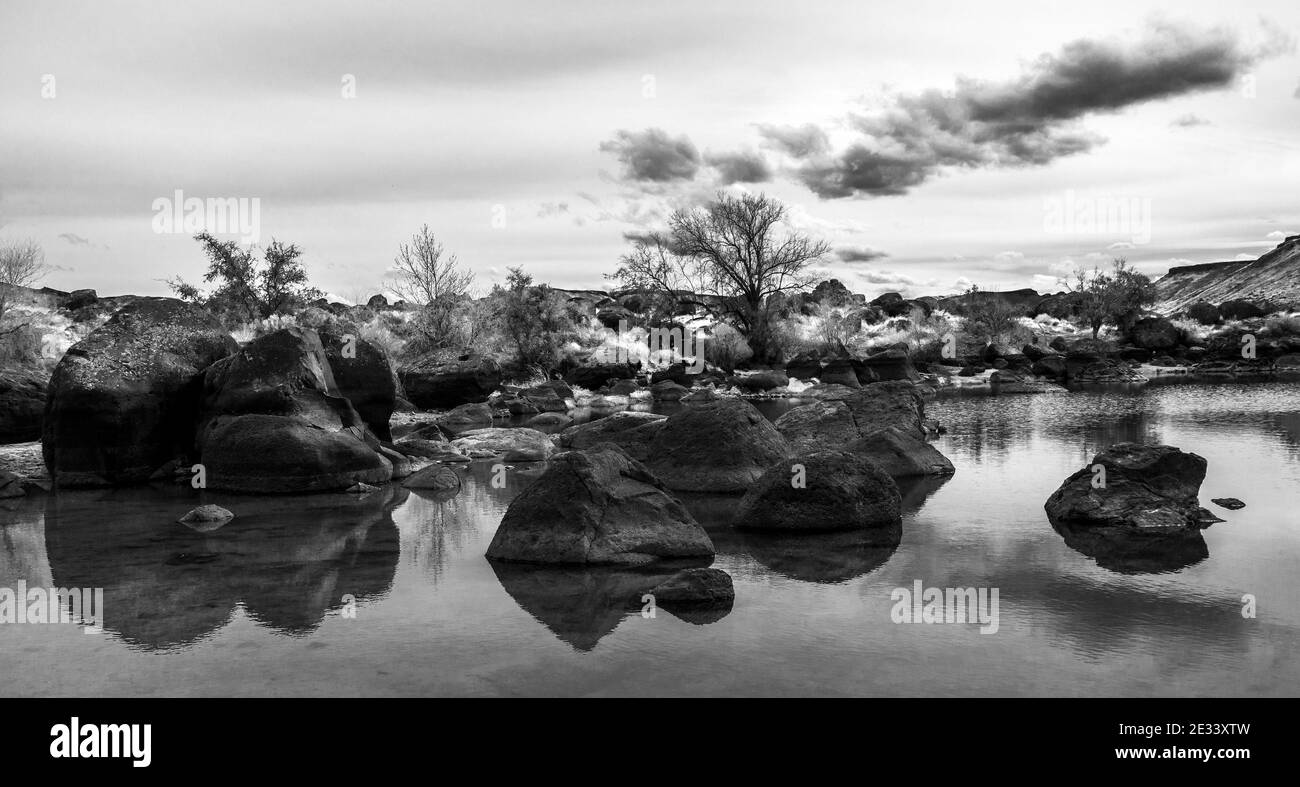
[798, 141]
[652, 155]
[859, 254]
[739, 167]
[1031, 120]
[74, 239]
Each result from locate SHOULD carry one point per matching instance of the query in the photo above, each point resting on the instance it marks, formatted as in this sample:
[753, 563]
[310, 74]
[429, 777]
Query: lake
[390, 594]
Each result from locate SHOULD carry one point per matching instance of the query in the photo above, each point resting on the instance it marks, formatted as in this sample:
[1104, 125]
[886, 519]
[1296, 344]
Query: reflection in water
[1078, 614]
[288, 561]
[581, 604]
[1126, 551]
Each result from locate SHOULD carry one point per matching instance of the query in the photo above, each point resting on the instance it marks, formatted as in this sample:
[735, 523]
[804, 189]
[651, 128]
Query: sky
[933, 145]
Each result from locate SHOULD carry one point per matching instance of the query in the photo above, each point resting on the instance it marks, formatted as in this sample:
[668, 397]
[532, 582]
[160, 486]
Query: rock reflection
[580, 604]
[1126, 551]
[288, 560]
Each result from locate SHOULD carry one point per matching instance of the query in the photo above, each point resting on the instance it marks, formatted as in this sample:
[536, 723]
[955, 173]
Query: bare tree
[737, 252]
[426, 273]
[22, 264]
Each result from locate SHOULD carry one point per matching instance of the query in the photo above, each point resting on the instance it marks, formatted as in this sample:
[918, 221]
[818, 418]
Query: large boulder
[1205, 313]
[1242, 309]
[1155, 333]
[286, 372]
[1141, 488]
[597, 507]
[630, 430]
[22, 404]
[273, 454]
[519, 444]
[890, 365]
[823, 490]
[817, 426]
[365, 377]
[718, 446]
[901, 453]
[124, 400]
[446, 384]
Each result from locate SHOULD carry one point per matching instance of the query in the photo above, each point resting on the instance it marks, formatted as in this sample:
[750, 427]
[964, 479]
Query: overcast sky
[933, 144]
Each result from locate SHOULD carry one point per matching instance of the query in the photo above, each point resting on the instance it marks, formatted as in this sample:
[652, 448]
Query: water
[258, 607]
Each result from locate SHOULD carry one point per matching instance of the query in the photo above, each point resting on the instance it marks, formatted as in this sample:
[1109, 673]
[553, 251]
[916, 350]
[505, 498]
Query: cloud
[1120, 244]
[796, 141]
[1278, 235]
[1031, 120]
[548, 209]
[1189, 121]
[74, 239]
[739, 167]
[652, 155]
[859, 254]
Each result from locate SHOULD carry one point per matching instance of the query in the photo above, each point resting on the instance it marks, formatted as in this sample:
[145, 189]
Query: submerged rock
[1230, 503]
[901, 454]
[436, 477]
[206, 518]
[597, 507]
[696, 595]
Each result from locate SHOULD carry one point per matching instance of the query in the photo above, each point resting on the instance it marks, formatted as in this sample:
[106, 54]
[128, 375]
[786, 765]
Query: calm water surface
[261, 606]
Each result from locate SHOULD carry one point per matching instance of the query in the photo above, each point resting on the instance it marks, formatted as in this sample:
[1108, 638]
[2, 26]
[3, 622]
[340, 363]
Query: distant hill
[1273, 278]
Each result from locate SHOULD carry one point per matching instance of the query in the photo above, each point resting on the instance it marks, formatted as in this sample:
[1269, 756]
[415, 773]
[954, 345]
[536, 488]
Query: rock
[694, 588]
[466, 379]
[611, 402]
[623, 387]
[901, 453]
[804, 366]
[596, 376]
[1205, 313]
[839, 491]
[1147, 489]
[667, 391]
[1241, 309]
[759, 381]
[841, 371]
[377, 302]
[22, 404]
[1230, 503]
[511, 445]
[1155, 333]
[10, 485]
[207, 514]
[468, 414]
[361, 489]
[550, 420]
[125, 399]
[720, 446]
[437, 450]
[436, 477]
[80, 299]
[700, 395]
[597, 507]
[631, 431]
[1052, 366]
[365, 377]
[891, 365]
[286, 372]
[1034, 352]
[817, 426]
[1106, 372]
[286, 454]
